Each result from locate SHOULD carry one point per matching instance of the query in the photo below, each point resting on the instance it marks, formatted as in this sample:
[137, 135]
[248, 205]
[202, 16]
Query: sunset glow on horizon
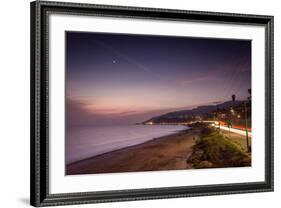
[121, 78]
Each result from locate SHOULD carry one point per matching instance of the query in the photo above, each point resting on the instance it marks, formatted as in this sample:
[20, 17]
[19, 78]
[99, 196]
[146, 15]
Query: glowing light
[238, 131]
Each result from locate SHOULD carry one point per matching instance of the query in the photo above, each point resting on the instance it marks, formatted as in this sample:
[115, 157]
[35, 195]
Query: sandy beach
[164, 153]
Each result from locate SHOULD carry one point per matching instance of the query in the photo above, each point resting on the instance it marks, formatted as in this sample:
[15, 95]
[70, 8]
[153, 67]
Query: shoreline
[131, 146]
[162, 153]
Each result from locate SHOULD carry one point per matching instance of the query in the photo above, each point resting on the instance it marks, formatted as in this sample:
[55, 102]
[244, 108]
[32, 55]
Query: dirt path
[237, 139]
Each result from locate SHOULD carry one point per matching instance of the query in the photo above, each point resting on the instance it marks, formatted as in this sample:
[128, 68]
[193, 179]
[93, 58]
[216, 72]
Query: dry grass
[214, 150]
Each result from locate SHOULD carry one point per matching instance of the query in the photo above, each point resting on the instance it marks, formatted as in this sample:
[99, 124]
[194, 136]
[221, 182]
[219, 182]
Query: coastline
[168, 152]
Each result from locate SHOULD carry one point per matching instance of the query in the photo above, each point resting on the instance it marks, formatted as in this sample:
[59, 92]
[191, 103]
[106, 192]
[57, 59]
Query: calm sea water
[86, 142]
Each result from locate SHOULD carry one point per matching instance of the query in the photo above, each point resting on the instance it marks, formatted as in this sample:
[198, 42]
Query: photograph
[139, 102]
[132, 103]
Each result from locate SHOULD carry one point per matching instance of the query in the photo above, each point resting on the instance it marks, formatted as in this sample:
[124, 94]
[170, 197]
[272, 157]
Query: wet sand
[164, 153]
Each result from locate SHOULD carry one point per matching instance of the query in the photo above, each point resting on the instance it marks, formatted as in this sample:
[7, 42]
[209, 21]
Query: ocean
[86, 142]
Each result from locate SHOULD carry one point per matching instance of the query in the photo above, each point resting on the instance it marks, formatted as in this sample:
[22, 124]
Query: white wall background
[14, 104]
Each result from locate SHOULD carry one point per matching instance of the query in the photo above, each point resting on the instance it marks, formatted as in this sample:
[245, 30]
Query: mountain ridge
[190, 114]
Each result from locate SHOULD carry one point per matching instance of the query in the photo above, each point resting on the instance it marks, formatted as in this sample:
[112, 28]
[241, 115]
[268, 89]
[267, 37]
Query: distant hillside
[189, 115]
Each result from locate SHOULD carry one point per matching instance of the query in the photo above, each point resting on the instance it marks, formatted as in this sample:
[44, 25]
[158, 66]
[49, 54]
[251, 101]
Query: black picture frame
[39, 188]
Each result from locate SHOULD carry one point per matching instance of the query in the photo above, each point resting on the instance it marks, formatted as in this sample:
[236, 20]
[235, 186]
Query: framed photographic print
[132, 103]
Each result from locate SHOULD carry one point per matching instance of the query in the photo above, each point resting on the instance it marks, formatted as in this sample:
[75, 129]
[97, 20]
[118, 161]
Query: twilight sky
[122, 79]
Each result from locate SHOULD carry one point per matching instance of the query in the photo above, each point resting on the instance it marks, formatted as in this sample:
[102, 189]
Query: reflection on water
[85, 142]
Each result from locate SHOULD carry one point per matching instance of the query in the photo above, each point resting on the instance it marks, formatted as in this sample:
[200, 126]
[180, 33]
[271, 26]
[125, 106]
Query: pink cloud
[184, 82]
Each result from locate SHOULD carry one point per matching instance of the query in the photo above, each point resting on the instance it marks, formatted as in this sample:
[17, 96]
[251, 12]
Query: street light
[233, 97]
[246, 126]
[217, 113]
[246, 120]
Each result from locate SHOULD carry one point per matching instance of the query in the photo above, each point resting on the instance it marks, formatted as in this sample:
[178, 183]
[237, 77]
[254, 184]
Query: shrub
[214, 150]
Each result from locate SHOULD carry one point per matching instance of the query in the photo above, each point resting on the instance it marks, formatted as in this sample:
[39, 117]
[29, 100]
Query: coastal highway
[237, 131]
